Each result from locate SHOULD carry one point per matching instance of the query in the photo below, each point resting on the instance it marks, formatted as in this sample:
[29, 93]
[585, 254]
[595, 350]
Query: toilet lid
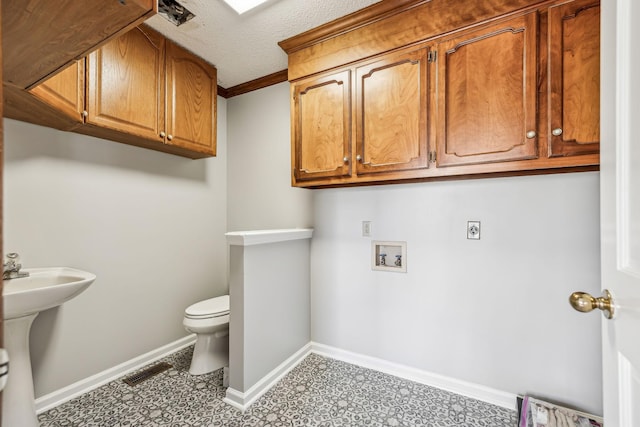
[212, 307]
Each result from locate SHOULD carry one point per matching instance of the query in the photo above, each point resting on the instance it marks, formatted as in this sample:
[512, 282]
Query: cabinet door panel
[574, 78]
[42, 37]
[322, 127]
[125, 84]
[391, 115]
[65, 91]
[487, 94]
[191, 101]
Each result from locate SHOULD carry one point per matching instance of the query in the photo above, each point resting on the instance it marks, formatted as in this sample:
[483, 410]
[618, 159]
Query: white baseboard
[242, 401]
[48, 401]
[475, 391]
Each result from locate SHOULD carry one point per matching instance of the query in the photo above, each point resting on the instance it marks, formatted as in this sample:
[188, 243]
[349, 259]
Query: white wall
[260, 192]
[493, 312]
[149, 225]
[269, 287]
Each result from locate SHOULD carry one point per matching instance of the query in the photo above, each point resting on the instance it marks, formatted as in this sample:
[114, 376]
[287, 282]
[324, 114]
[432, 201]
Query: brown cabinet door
[125, 85]
[42, 37]
[321, 116]
[65, 91]
[391, 114]
[487, 94]
[574, 78]
[191, 96]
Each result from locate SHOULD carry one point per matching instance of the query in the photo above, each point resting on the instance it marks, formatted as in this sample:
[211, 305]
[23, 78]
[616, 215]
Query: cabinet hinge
[432, 56]
[432, 156]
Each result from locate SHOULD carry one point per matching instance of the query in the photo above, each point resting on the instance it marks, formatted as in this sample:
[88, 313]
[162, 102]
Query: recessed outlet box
[473, 230]
[389, 256]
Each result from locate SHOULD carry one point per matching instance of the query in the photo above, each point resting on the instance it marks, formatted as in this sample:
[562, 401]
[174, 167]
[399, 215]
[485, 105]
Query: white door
[620, 209]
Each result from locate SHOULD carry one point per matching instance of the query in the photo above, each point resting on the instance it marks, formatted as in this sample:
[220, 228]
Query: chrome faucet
[11, 267]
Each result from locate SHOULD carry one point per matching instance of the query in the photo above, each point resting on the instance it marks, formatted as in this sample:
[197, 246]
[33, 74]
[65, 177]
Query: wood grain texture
[22, 105]
[425, 21]
[259, 83]
[191, 99]
[125, 85]
[65, 91]
[488, 88]
[391, 113]
[487, 94]
[42, 38]
[321, 116]
[574, 77]
[368, 15]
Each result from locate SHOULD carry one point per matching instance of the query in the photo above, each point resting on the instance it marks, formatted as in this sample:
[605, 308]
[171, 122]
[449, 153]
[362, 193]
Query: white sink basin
[24, 298]
[44, 288]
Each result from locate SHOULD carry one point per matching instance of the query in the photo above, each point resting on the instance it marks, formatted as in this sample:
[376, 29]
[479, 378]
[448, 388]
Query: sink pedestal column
[18, 399]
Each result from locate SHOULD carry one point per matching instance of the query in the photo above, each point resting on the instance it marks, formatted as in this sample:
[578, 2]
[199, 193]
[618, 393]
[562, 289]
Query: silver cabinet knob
[359, 157]
[169, 137]
[85, 113]
[345, 159]
[531, 134]
[556, 132]
[162, 134]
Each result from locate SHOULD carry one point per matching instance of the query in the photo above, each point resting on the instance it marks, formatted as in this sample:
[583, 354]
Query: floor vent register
[151, 371]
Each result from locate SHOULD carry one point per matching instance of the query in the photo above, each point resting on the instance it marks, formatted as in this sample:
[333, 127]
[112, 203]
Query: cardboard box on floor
[534, 412]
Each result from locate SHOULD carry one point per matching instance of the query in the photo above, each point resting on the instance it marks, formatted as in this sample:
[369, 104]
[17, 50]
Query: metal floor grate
[141, 376]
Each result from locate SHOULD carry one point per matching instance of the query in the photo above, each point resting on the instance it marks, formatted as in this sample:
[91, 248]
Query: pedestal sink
[24, 298]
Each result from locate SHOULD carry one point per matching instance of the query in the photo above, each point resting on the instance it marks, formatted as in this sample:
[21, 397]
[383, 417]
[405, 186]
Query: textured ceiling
[245, 47]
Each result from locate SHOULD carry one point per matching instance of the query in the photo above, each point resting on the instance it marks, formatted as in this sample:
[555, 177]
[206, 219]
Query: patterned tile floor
[318, 392]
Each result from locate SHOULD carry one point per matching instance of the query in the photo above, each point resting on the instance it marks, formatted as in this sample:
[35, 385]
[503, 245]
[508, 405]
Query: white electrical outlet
[473, 230]
[366, 228]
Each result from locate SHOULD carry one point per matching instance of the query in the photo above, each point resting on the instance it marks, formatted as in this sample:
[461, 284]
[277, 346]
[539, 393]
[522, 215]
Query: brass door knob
[585, 303]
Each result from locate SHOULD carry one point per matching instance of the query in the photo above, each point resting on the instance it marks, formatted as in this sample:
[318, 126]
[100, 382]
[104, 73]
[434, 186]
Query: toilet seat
[210, 308]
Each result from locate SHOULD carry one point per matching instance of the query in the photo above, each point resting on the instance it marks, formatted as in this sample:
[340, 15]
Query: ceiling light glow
[241, 6]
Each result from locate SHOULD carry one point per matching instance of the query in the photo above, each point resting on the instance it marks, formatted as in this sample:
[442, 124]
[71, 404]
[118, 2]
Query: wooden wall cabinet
[391, 113]
[140, 89]
[145, 86]
[487, 94]
[517, 94]
[125, 85]
[65, 93]
[42, 38]
[387, 120]
[321, 127]
[574, 78]
[191, 96]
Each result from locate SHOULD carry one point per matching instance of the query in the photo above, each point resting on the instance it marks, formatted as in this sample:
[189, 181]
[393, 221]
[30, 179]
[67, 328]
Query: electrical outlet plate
[473, 230]
[366, 228]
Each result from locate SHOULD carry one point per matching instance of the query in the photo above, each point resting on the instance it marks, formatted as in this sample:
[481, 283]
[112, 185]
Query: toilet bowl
[209, 320]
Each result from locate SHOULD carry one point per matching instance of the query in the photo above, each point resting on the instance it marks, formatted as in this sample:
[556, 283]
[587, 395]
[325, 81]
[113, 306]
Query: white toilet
[209, 320]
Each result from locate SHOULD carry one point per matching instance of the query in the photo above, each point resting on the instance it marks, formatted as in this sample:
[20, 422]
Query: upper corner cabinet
[125, 85]
[391, 113]
[487, 94]
[145, 90]
[191, 99]
[321, 127]
[574, 78]
[40, 38]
